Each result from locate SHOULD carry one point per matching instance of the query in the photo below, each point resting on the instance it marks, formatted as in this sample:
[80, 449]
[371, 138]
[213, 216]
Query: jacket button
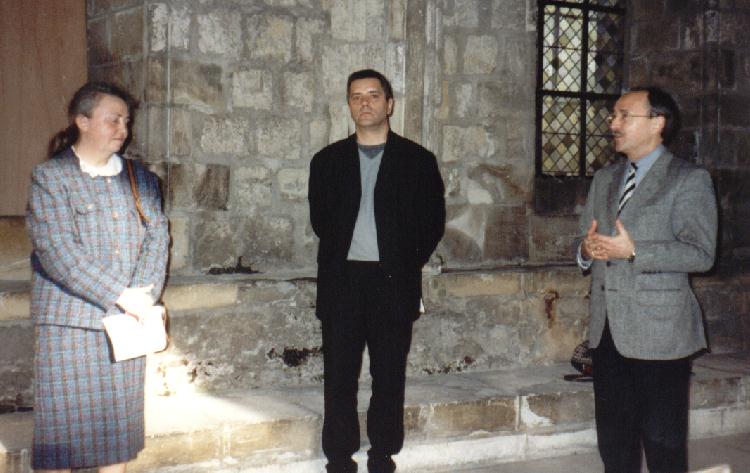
[609, 263]
[601, 287]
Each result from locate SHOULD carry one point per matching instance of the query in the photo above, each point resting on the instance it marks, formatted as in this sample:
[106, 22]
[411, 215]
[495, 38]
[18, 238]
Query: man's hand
[620, 246]
[588, 246]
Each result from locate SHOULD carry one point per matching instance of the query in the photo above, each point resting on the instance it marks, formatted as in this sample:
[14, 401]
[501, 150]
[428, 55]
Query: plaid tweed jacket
[88, 241]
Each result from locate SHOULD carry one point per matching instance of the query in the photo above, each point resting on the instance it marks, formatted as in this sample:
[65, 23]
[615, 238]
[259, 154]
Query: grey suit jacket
[652, 311]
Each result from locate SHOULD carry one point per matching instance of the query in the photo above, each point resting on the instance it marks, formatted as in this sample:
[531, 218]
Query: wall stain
[239, 268]
[550, 296]
[456, 367]
[294, 357]
[18, 404]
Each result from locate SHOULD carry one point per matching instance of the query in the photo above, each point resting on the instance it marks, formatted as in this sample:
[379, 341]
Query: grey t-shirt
[364, 246]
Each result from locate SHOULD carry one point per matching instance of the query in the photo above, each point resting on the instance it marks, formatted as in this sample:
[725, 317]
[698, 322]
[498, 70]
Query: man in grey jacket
[649, 221]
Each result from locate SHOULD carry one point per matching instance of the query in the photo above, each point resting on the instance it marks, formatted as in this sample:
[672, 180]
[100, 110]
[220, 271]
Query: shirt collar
[112, 167]
[645, 163]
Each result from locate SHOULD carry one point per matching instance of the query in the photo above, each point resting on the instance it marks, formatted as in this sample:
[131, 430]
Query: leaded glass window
[579, 76]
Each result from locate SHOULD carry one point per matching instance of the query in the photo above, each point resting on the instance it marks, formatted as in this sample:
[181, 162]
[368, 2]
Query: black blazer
[409, 216]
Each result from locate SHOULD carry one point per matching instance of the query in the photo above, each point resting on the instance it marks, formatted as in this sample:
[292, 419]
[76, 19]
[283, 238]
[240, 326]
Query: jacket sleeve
[57, 246]
[430, 209]
[694, 226]
[152, 259]
[584, 223]
[317, 197]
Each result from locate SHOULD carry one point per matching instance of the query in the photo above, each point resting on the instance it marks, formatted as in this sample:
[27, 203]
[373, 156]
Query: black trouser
[366, 315]
[640, 402]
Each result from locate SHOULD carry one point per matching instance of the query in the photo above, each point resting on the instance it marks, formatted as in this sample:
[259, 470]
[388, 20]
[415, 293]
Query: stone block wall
[236, 97]
[699, 51]
[256, 332]
[484, 120]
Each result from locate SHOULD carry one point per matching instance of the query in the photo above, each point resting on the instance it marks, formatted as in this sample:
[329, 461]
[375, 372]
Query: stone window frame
[583, 170]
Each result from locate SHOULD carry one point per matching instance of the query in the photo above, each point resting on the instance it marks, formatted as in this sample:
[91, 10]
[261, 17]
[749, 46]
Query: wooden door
[42, 63]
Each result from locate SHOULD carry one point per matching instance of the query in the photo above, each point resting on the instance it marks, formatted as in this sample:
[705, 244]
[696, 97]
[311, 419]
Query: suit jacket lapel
[387, 162]
[651, 183]
[613, 198]
[352, 182]
[76, 180]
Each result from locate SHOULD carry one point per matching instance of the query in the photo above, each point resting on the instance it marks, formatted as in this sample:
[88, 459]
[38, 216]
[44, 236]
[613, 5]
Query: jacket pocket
[83, 207]
[661, 282]
[661, 304]
[85, 216]
[660, 297]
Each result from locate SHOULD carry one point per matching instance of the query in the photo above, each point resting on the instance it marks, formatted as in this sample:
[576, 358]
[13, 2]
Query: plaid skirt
[88, 410]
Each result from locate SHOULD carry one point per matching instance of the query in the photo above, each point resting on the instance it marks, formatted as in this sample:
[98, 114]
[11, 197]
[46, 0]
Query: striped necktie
[629, 188]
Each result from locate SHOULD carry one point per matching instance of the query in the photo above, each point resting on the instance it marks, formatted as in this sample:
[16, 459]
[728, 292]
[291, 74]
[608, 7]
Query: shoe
[380, 463]
[346, 465]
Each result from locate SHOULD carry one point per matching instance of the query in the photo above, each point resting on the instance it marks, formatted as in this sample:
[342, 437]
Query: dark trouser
[366, 316]
[640, 402]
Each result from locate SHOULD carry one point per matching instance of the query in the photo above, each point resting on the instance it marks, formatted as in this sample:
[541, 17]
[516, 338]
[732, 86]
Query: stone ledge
[254, 331]
[15, 305]
[525, 413]
[15, 249]
[195, 293]
[192, 293]
[200, 296]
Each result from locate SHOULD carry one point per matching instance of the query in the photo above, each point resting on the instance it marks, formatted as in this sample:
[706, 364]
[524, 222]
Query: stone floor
[733, 450]
[497, 421]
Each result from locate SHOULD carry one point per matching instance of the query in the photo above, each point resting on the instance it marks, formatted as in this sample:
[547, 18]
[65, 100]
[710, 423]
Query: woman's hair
[83, 103]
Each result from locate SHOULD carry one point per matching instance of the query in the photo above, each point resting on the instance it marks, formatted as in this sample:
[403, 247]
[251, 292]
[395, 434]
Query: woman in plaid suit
[93, 256]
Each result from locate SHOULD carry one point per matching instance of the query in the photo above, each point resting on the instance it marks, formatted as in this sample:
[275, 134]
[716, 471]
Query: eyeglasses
[625, 116]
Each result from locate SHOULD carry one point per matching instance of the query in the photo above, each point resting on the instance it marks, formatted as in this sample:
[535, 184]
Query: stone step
[14, 250]
[451, 420]
[233, 332]
[236, 332]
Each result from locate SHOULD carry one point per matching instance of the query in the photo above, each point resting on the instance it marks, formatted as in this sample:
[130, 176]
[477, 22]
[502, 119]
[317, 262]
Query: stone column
[483, 103]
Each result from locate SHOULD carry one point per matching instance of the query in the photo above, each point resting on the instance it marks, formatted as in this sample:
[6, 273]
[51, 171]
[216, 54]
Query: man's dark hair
[662, 104]
[370, 74]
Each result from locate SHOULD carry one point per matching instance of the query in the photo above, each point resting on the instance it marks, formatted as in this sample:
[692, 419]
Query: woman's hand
[136, 300]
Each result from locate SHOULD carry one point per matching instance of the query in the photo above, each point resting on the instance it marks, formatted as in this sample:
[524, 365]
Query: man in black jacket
[377, 205]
